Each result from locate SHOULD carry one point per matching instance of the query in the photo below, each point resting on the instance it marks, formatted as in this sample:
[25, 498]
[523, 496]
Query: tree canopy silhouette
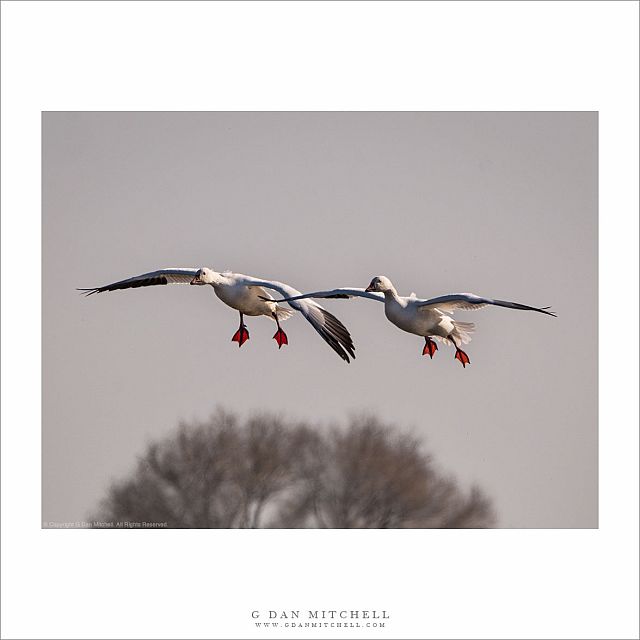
[268, 472]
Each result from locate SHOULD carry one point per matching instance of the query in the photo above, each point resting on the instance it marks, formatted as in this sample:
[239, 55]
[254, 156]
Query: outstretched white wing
[332, 331]
[469, 301]
[343, 292]
[176, 275]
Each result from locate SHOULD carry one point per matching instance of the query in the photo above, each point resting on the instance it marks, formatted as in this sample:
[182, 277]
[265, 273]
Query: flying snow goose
[247, 295]
[426, 318]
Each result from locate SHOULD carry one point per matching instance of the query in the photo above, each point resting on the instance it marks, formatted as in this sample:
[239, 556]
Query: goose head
[381, 284]
[205, 276]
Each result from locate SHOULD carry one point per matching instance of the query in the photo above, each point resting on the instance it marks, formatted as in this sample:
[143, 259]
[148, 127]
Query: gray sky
[499, 204]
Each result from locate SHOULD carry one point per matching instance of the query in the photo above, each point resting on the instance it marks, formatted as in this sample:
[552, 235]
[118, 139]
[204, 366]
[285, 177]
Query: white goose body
[409, 317]
[248, 296]
[249, 300]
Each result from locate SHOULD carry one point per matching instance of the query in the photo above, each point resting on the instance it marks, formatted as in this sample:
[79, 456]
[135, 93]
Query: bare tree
[268, 472]
[372, 476]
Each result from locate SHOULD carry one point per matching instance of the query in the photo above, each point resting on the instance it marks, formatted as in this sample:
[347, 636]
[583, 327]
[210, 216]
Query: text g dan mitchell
[328, 614]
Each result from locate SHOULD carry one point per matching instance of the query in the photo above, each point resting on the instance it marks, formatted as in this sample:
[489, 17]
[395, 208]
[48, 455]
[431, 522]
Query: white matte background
[340, 56]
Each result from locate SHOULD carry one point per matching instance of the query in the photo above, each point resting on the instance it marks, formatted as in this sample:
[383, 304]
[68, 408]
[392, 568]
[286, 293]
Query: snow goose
[249, 297]
[427, 318]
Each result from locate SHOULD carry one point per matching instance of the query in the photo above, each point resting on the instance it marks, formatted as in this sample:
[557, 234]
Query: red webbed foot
[240, 336]
[463, 357]
[281, 338]
[430, 347]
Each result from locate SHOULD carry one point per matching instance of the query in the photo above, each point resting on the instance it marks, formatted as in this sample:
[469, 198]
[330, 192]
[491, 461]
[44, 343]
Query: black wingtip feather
[127, 284]
[337, 336]
[524, 307]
